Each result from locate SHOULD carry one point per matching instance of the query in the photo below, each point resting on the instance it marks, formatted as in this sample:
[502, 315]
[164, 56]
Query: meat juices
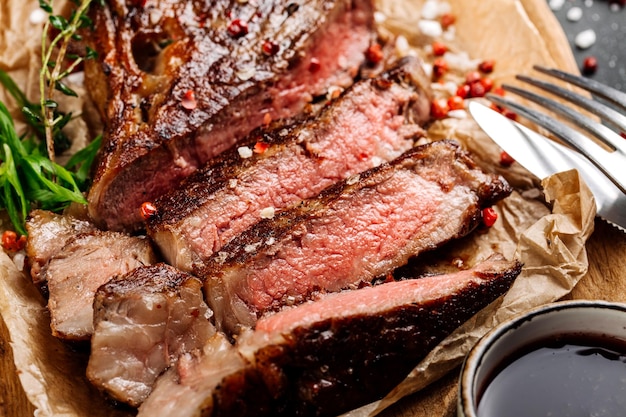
[179, 82]
[374, 121]
[354, 232]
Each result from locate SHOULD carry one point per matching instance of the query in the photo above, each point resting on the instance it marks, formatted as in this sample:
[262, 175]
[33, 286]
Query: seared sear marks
[330, 356]
[353, 232]
[372, 122]
[76, 271]
[178, 82]
[143, 321]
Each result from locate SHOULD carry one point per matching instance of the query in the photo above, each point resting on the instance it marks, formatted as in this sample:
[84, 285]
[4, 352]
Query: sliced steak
[143, 321]
[84, 264]
[187, 388]
[353, 232]
[374, 121]
[179, 82]
[330, 356]
[47, 234]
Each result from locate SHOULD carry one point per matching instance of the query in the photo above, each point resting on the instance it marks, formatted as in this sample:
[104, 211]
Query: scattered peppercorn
[489, 216]
[463, 91]
[314, 65]
[447, 20]
[472, 77]
[440, 67]
[270, 48]
[11, 243]
[510, 114]
[439, 108]
[260, 147]
[374, 53]
[456, 103]
[506, 159]
[499, 91]
[147, 210]
[487, 83]
[189, 100]
[238, 28]
[439, 48]
[487, 66]
[477, 89]
[590, 65]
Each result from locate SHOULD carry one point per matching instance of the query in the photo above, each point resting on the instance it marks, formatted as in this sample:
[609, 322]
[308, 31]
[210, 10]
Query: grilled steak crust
[326, 357]
[178, 82]
[362, 228]
[47, 234]
[79, 268]
[373, 121]
[143, 321]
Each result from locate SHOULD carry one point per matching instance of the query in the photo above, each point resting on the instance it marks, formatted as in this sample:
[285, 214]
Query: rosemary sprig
[53, 71]
[29, 176]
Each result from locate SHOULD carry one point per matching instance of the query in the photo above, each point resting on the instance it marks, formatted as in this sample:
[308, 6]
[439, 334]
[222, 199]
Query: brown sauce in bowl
[570, 375]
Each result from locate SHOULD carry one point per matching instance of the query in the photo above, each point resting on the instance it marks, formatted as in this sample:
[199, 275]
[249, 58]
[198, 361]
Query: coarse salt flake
[37, 16]
[251, 247]
[430, 28]
[585, 39]
[244, 152]
[379, 17]
[457, 114]
[574, 14]
[268, 213]
[232, 183]
[430, 10]
[377, 161]
[402, 46]
[247, 73]
[19, 260]
[556, 4]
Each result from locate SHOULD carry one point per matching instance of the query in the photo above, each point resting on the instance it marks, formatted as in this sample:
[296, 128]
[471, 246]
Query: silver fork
[612, 163]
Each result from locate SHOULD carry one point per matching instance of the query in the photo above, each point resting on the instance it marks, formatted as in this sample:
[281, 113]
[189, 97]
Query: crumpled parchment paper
[548, 238]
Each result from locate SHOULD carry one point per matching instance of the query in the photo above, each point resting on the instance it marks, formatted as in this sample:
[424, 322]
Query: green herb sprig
[29, 175]
[53, 64]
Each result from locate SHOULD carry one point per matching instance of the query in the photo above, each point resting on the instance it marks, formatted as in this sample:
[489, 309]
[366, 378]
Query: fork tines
[613, 164]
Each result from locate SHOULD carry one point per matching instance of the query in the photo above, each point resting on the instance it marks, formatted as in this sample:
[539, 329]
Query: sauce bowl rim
[466, 403]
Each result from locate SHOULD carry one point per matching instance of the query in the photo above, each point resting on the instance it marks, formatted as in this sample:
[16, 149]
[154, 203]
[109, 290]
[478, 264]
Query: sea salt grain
[37, 16]
[556, 4]
[574, 14]
[585, 39]
[244, 152]
[430, 28]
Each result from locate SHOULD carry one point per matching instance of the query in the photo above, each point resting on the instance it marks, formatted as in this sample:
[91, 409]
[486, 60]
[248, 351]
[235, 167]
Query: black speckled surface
[608, 19]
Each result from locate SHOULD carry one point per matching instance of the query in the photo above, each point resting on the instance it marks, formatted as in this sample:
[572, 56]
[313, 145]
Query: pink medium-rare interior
[291, 175]
[356, 241]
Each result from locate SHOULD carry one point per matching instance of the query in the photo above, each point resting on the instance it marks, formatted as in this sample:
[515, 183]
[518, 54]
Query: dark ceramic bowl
[588, 320]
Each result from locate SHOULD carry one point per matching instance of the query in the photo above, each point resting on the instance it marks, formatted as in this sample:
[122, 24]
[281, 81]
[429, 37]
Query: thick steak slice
[353, 232]
[47, 234]
[76, 271]
[330, 356]
[373, 121]
[187, 387]
[179, 82]
[143, 321]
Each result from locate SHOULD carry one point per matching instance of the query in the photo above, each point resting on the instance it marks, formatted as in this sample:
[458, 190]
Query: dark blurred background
[607, 18]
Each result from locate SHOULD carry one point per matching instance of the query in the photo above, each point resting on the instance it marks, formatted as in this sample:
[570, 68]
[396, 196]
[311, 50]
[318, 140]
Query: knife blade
[544, 157]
